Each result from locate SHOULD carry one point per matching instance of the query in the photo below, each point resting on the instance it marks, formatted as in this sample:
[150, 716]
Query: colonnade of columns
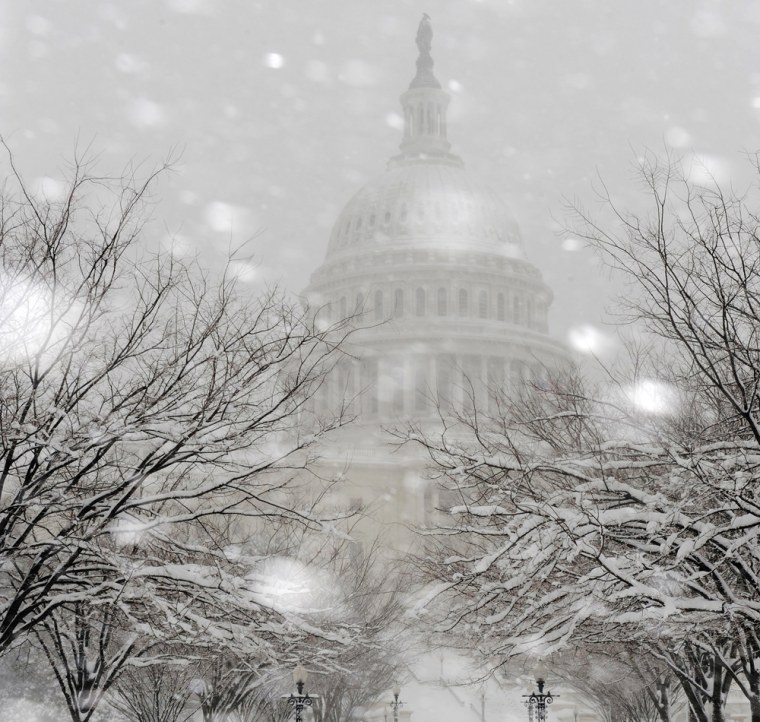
[416, 385]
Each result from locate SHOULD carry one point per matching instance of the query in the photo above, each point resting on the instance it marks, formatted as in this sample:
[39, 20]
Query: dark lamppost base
[299, 700]
[537, 702]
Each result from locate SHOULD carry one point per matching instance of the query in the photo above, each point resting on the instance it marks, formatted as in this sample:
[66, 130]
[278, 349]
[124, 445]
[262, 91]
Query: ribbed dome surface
[422, 202]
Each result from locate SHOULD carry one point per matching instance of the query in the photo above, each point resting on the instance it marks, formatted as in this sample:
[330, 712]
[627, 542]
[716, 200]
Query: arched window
[325, 393]
[369, 380]
[397, 376]
[517, 305]
[516, 373]
[483, 304]
[419, 305]
[398, 302]
[540, 316]
[378, 305]
[530, 313]
[471, 381]
[463, 310]
[537, 374]
[443, 377]
[344, 379]
[500, 306]
[495, 383]
[441, 306]
[421, 386]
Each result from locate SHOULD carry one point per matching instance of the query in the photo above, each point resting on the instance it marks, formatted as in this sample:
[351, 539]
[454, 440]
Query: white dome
[419, 201]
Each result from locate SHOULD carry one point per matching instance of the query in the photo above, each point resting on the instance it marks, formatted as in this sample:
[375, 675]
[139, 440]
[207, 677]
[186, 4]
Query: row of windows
[517, 309]
[457, 214]
[429, 118]
[422, 385]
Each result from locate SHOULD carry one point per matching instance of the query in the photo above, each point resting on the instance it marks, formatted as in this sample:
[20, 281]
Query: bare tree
[624, 682]
[375, 603]
[581, 517]
[155, 693]
[330, 607]
[142, 400]
[86, 647]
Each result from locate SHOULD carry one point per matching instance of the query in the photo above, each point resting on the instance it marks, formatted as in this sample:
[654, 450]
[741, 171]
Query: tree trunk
[719, 690]
[663, 701]
[754, 707]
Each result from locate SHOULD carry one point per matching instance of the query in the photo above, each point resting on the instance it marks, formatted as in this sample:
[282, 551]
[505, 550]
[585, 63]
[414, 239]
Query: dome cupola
[425, 195]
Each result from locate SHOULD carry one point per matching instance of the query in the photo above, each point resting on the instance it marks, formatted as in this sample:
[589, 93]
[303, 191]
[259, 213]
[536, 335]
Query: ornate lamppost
[537, 702]
[299, 700]
[395, 704]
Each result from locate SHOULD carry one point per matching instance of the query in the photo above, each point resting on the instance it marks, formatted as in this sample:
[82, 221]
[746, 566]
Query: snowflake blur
[29, 320]
[652, 397]
[289, 585]
[588, 340]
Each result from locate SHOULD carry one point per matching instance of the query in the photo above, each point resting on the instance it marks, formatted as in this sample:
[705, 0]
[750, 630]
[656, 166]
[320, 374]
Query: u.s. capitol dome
[429, 263]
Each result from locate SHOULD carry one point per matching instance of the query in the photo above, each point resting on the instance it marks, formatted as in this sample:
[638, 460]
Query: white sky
[281, 110]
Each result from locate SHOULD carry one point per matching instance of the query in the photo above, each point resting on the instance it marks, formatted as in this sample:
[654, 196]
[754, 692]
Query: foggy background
[280, 111]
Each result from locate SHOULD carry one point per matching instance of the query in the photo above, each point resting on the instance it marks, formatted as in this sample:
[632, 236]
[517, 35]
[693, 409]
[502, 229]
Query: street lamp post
[300, 700]
[537, 702]
[395, 704]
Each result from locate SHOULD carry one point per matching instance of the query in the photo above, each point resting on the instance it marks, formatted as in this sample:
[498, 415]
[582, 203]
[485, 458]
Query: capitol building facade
[430, 265]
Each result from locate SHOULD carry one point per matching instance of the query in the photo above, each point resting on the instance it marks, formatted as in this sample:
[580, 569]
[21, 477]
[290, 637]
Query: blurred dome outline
[426, 201]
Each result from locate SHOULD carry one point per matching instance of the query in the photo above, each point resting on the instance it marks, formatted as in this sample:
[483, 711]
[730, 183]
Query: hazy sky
[280, 110]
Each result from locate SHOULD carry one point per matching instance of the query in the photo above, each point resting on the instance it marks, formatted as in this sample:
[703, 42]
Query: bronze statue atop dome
[425, 77]
[424, 38]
